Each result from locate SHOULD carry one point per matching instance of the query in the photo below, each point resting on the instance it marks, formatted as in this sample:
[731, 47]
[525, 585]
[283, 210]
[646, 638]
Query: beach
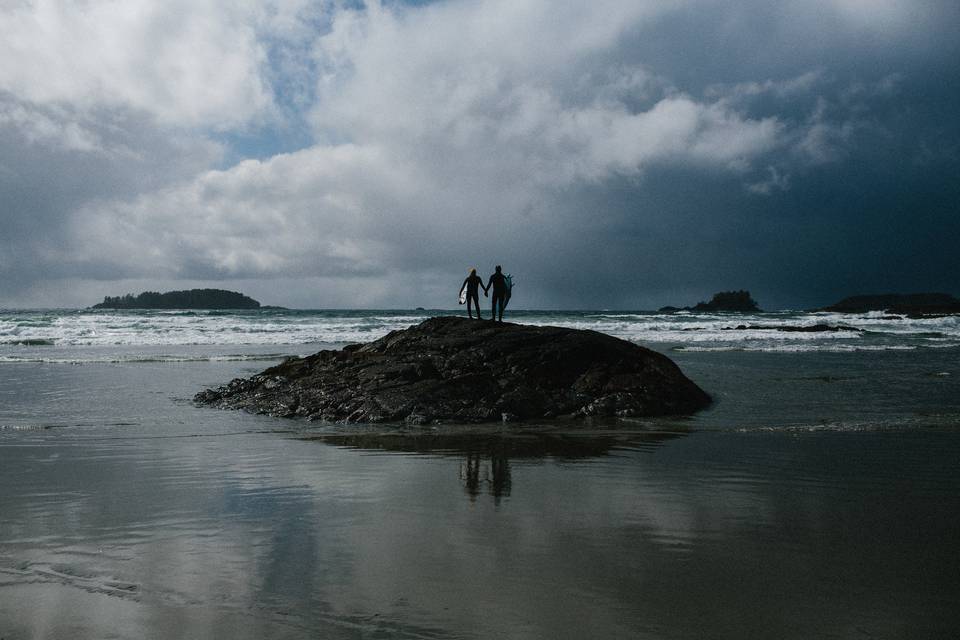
[817, 497]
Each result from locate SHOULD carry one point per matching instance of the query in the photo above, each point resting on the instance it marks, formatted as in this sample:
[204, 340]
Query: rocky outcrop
[903, 303]
[452, 369]
[724, 301]
[810, 328]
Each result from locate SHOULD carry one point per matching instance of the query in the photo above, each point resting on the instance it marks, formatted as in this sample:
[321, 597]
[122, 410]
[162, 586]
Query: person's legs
[476, 303]
[497, 306]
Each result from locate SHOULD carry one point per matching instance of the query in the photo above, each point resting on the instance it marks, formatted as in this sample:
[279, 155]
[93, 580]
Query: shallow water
[818, 497]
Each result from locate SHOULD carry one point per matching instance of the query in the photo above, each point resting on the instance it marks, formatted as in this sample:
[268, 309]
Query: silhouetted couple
[473, 283]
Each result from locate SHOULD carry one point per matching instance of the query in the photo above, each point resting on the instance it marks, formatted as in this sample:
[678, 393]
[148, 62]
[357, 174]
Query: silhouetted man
[473, 284]
[499, 284]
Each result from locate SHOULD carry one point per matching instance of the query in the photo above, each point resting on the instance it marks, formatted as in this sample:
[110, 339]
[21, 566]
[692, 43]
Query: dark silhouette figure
[499, 284]
[497, 480]
[473, 284]
[470, 474]
[500, 482]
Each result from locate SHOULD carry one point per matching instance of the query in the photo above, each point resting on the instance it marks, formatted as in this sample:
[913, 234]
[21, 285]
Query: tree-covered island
[726, 301]
[191, 299]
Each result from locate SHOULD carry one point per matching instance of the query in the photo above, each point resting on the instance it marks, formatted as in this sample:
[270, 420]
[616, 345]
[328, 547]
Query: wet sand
[128, 512]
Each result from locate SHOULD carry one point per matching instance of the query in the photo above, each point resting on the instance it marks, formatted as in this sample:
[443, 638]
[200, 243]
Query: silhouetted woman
[473, 284]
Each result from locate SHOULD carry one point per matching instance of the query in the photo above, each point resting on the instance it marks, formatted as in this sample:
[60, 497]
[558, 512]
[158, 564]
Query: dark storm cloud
[54, 160]
[868, 203]
[618, 154]
[860, 200]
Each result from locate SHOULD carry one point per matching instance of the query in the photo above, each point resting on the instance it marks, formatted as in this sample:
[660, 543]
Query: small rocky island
[191, 299]
[452, 369]
[725, 301]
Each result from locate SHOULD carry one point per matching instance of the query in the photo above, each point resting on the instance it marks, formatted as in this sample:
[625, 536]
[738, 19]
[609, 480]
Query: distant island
[192, 299]
[734, 301]
[912, 304]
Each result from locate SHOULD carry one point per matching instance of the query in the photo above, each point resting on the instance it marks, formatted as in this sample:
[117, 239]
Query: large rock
[452, 369]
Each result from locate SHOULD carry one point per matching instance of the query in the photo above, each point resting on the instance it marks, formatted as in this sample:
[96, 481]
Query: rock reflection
[485, 456]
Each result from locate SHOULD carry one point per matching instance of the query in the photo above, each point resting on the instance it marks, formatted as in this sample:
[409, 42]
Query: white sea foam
[763, 332]
[192, 328]
[127, 358]
[800, 348]
[34, 331]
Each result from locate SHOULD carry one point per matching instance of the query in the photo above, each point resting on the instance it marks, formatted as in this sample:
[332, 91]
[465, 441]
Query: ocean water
[818, 497]
[874, 331]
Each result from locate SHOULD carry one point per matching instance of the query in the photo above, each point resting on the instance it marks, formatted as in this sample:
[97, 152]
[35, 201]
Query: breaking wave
[37, 330]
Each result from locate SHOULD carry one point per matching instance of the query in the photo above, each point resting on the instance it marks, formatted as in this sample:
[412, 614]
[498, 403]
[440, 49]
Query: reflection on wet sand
[574, 534]
[142, 517]
[485, 457]
[495, 477]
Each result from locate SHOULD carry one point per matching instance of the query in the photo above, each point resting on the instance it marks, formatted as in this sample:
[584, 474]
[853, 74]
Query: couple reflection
[493, 475]
[485, 457]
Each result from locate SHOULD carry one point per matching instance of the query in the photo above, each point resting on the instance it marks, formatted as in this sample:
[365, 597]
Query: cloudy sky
[610, 154]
